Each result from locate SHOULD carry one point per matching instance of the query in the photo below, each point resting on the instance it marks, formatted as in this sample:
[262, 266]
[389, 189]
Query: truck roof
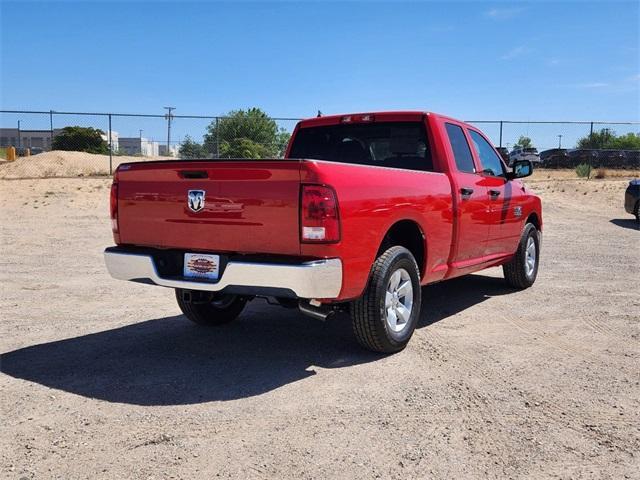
[392, 116]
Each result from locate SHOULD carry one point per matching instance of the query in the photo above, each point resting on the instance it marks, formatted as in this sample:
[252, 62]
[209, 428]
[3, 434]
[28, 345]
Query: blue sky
[475, 60]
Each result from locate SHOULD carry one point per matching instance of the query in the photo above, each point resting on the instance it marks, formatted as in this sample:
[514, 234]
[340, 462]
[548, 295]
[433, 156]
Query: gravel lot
[104, 379]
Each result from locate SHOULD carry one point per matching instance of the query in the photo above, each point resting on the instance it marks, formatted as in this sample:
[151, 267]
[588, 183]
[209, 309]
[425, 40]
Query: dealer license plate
[198, 265]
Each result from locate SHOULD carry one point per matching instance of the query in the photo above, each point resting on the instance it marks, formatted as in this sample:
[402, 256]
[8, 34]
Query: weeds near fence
[583, 170]
[601, 173]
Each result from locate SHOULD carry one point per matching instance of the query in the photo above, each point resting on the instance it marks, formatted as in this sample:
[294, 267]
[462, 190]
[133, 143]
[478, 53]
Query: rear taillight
[319, 220]
[113, 205]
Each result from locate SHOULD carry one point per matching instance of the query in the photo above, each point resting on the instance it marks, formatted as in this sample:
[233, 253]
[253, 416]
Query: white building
[173, 150]
[138, 146]
[12, 137]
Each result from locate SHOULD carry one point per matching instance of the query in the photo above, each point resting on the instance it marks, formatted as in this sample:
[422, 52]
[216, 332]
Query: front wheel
[522, 270]
[205, 308]
[386, 315]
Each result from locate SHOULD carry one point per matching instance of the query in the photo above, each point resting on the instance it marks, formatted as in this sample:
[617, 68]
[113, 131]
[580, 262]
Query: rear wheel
[385, 317]
[522, 270]
[205, 308]
[636, 212]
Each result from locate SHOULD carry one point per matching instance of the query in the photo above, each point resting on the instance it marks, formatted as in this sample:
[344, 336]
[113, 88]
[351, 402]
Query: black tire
[515, 272]
[636, 212]
[210, 309]
[369, 314]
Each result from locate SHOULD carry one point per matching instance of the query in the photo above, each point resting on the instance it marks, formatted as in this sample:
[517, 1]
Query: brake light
[113, 204]
[319, 221]
[364, 118]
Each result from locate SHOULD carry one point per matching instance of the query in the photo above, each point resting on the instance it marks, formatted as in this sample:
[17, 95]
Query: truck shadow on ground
[626, 223]
[169, 361]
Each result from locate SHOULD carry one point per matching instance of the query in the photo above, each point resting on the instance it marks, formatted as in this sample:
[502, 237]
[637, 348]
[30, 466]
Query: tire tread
[514, 272]
[206, 314]
[364, 310]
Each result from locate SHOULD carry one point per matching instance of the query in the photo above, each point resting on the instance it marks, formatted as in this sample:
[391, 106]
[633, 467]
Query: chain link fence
[50, 144]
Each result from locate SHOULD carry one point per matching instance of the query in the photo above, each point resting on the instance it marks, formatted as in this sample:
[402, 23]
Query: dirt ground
[103, 379]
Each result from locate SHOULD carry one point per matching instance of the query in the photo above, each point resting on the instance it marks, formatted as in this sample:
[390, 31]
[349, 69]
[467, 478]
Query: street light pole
[168, 116]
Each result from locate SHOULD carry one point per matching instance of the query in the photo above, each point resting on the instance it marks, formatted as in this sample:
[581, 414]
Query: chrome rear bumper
[316, 279]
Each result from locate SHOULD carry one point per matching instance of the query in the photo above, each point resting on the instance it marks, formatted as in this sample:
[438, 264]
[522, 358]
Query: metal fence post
[110, 149]
[217, 135]
[51, 126]
[501, 133]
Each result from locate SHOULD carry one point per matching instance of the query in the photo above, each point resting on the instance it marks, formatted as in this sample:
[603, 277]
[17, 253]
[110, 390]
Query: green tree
[80, 139]
[524, 142]
[245, 134]
[607, 139]
[596, 139]
[630, 141]
[282, 140]
[192, 149]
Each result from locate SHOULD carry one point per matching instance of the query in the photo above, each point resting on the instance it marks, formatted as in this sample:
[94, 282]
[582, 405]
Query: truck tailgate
[250, 206]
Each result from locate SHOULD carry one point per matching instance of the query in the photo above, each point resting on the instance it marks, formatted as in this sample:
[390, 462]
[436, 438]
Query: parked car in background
[632, 199]
[22, 151]
[554, 158]
[504, 153]
[363, 210]
[606, 158]
[521, 154]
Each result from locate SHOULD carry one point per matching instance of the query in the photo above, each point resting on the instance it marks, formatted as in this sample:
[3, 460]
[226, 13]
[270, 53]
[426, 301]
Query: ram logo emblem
[195, 200]
[517, 211]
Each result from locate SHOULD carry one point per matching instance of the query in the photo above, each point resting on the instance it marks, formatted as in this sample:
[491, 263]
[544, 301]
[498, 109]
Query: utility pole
[141, 142]
[559, 142]
[168, 116]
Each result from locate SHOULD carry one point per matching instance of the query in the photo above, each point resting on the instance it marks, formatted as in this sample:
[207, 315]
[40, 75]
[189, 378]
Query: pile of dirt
[59, 163]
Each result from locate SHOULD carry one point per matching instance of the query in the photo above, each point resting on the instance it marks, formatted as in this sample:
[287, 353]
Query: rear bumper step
[316, 279]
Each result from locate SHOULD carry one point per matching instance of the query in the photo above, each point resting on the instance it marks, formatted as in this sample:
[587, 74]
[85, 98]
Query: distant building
[114, 139]
[12, 137]
[173, 150]
[138, 146]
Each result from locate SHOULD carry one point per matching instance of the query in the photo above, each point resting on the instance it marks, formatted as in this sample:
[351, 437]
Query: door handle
[466, 191]
[494, 193]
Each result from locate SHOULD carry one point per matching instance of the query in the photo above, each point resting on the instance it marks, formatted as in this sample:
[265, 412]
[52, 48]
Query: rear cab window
[384, 144]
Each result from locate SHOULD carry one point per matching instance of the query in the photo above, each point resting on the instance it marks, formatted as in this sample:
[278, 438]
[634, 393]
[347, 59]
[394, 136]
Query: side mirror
[521, 169]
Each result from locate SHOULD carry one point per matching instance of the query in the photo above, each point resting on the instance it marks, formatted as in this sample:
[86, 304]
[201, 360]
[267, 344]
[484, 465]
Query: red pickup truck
[362, 211]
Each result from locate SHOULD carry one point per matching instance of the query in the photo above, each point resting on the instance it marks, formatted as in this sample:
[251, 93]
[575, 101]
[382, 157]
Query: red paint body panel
[372, 200]
[252, 206]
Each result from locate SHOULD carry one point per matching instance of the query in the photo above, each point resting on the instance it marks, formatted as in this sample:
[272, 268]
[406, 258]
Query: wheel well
[407, 234]
[533, 219]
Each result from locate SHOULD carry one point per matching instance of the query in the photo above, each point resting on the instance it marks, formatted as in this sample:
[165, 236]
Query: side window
[461, 150]
[489, 159]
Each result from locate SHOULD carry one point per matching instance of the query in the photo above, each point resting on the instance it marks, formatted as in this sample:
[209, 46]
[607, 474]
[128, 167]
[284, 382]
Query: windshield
[384, 144]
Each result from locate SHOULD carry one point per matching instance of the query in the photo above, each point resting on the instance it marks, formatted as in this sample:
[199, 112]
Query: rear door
[217, 206]
[470, 198]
